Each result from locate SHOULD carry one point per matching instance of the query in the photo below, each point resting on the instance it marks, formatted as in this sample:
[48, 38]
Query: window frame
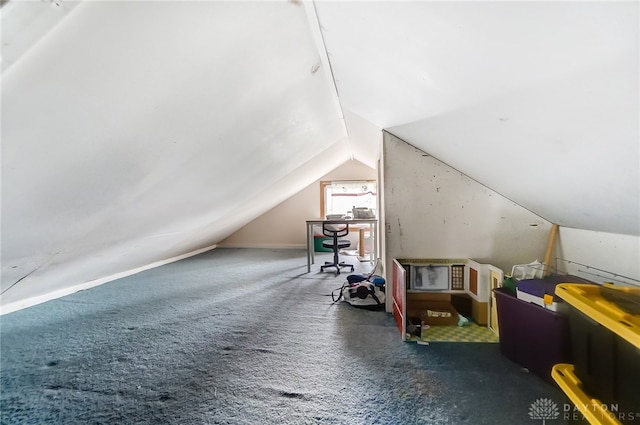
[325, 183]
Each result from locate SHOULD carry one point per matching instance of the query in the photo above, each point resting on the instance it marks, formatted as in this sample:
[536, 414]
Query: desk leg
[312, 246]
[374, 243]
[361, 243]
[309, 247]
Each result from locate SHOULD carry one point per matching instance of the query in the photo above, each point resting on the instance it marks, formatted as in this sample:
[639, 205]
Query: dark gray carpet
[238, 336]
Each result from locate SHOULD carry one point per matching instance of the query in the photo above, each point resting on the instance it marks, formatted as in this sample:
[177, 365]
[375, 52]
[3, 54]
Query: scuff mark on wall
[20, 280]
[400, 234]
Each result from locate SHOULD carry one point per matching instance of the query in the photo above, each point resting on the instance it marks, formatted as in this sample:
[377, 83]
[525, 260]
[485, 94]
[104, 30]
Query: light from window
[340, 197]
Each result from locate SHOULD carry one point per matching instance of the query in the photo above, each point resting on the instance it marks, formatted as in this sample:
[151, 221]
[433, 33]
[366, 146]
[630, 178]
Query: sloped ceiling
[137, 131]
[133, 132]
[536, 100]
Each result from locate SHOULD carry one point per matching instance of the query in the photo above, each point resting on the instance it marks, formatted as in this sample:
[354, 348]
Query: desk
[372, 223]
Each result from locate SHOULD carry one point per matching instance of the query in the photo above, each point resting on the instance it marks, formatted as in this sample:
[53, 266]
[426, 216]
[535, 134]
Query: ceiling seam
[314, 20]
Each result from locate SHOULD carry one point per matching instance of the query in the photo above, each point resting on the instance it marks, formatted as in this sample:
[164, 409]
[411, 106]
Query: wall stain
[400, 236]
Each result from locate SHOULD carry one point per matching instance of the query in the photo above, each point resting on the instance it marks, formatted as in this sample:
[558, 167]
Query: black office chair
[335, 230]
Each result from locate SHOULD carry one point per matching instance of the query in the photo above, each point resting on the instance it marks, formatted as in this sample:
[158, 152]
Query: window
[340, 197]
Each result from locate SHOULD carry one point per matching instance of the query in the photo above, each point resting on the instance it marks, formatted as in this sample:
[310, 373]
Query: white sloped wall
[598, 256]
[452, 216]
[135, 132]
[537, 100]
[284, 225]
[435, 211]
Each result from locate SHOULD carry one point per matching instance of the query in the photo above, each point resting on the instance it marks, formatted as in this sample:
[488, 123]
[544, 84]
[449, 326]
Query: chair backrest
[335, 229]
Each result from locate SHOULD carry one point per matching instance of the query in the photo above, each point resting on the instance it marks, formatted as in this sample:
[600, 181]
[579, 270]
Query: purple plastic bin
[532, 336]
[547, 285]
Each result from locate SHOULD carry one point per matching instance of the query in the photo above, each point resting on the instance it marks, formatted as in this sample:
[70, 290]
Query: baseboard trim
[261, 246]
[29, 302]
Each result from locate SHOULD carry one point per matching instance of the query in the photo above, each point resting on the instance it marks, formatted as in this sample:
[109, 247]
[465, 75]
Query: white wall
[548, 88]
[599, 256]
[284, 225]
[435, 211]
[160, 134]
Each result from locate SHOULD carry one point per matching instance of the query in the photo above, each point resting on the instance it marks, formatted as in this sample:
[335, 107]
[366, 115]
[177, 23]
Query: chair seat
[341, 244]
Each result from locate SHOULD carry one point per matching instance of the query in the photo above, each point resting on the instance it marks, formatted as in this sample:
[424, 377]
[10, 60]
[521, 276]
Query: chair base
[338, 266]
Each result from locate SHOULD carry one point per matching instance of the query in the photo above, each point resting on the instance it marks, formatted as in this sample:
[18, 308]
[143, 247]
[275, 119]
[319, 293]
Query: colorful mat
[471, 332]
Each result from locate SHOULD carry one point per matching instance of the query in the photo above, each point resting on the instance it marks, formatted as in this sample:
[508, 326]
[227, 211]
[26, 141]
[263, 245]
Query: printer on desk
[362, 213]
[359, 213]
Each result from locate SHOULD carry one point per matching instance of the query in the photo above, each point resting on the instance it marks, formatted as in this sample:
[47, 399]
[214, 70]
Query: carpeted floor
[245, 336]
